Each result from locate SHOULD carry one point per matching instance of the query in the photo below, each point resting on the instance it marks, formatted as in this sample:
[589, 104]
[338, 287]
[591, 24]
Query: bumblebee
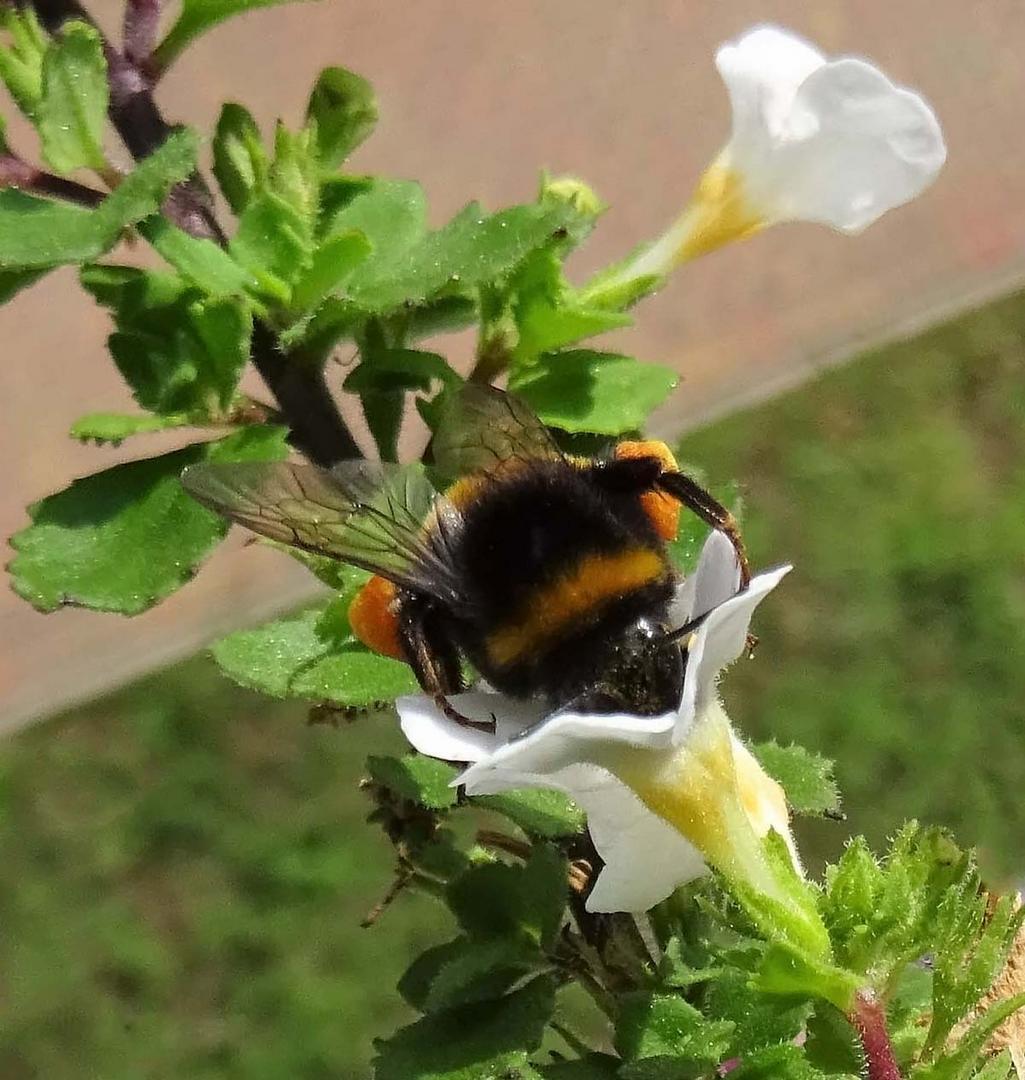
[548, 573]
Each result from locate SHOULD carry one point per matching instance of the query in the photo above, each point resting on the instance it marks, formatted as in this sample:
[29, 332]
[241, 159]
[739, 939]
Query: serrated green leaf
[124, 539]
[537, 811]
[511, 902]
[72, 111]
[603, 393]
[240, 158]
[481, 970]
[114, 428]
[21, 61]
[666, 1026]
[806, 777]
[42, 232]
[391, 214]
[473, 1042]
[289, 658]
[785, 1062]
[343, 108]
[760, 1020]
[418, 778]
[198, 16]
[472, 249]
[179, 352]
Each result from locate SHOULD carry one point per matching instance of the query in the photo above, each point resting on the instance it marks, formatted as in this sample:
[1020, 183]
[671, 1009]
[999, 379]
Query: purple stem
[16, 173]
[316, 424]
[869, 1019]
[142, 19]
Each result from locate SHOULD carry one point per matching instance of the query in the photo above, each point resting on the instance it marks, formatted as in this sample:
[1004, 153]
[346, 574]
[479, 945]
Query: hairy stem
[317, 427]
[869, 1019]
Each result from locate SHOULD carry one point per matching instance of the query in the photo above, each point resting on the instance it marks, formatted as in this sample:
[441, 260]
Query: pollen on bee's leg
[373, 618]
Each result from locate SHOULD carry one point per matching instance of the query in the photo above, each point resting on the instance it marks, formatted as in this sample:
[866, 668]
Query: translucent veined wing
[370, 514]
[481, 427]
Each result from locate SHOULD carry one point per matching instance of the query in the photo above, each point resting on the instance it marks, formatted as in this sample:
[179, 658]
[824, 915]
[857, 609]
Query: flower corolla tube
[665, 796]
[814, 139]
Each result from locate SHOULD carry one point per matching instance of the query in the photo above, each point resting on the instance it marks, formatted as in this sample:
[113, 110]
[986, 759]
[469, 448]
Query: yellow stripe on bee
[594, 581]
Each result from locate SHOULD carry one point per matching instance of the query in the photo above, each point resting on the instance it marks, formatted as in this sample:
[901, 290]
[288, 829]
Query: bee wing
[369, 514]
[481, 427]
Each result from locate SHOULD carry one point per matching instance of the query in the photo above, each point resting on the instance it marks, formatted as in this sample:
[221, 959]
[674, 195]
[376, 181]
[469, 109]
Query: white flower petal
[870, 146]
[645, 857]
[834, 142]
[433, 733]
[763, 70]
[562, 740]
[715, 579]
[718, 642]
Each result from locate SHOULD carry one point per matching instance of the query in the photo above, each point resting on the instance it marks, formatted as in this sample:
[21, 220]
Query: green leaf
[785, 1062]
[114, 428]
[180, 352]
[547, 313]
[417, 778]
[124, 539]
[475, 1042]
[42, 232]
[240, 159]
[391, 214]
[603, 393]
[343, 108]
[196, 17]
[272, 239]
[665, 1026]
[960, 1062]
[789, 971]
[481, 970]
[591, 1067]
[806, 777]
[72, 112]
[472, 249]
[13, 281]
[21, 61]
[333, 263]
[207, 265]
[513, 902]
[537, 811]
[997, 1068]
[297, 657]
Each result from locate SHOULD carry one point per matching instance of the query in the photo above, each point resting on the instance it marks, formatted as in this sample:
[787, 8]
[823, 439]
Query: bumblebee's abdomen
[579, 595]
[550, 558]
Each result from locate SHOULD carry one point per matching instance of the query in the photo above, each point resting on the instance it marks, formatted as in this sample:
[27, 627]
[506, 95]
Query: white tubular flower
[664, 795]
[828, 141]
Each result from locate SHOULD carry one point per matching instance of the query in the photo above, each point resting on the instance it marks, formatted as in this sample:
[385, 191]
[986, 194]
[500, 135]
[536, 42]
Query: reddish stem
[869, 1019]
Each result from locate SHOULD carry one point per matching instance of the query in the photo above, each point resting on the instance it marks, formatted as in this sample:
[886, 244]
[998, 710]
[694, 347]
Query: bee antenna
[688, 628]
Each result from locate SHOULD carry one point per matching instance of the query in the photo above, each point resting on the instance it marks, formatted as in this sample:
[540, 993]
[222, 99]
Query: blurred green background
[186, 864]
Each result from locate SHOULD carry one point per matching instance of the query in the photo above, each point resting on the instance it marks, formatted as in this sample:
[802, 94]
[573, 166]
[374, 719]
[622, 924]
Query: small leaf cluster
[698, 986]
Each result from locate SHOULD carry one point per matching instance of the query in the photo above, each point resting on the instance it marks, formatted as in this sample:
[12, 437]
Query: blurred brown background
[475, 99]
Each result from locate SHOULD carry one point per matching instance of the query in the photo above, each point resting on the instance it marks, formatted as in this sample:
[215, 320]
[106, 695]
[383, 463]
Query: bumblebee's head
[642, 674]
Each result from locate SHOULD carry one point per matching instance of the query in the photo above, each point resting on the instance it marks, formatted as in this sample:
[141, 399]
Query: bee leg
[433, 657]
[710, 510]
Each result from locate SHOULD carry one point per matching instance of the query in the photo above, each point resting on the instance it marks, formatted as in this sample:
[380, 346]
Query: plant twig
[142, 18]
[869, 1019]
[317, 427]
[17, 173]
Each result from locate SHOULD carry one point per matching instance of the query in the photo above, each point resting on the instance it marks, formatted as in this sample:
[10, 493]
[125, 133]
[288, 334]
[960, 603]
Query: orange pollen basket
[374, 620]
